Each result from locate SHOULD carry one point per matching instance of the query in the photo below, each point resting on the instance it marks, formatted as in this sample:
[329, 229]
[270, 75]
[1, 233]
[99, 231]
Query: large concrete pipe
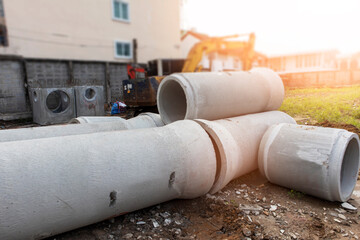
[323, 162]
[97, 124]
[143, 120]
[237, 143]
[213, 96]
[59, 130]
[94, 119]
[52, 185]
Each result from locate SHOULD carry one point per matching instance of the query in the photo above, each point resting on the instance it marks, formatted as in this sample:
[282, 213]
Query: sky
[280, 26]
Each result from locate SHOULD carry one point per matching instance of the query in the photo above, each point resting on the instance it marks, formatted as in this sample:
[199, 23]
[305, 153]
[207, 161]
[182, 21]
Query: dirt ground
[248, 208]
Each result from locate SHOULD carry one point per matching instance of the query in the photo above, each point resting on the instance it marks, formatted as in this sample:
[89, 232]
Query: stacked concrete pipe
[214, 96]
[52, 185]
[323, 162]
[93, 124]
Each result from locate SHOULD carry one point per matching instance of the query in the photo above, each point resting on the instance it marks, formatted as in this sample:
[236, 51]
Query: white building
[90, 29]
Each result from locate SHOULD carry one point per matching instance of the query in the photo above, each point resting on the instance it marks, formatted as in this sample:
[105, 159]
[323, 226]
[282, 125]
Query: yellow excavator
[140, 92]
[243, 49]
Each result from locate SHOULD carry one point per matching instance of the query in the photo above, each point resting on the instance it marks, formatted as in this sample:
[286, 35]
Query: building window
[121, 10]
[2, 14]
[123, 49]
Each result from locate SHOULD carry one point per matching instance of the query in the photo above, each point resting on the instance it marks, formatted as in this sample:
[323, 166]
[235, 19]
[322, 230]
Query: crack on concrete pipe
[237, 142]
[323, 162]
[214, 96]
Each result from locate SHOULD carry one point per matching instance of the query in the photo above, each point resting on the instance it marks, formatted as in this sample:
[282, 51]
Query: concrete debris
[247, 232]
[273, 208]
[348, 206]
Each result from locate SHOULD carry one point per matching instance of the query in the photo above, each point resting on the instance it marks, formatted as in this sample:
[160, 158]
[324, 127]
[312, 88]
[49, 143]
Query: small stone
[111, 236]
[167, 221]
[178, 222]
[246, 232]
[128, 236]
[155, 223]
[243, 185]
[165, 214]
[293, 236]
[339, 210]
[334, 214]
[141, 223]
[249, 208]
[341, 216]
[238, 192]
[282, 231]
[348, 206]
[264, 199]
[266, 213]
[337, 220]
[273, 208]
[177, 231]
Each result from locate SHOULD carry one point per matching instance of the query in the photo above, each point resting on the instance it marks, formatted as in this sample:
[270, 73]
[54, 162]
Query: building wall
[86, 30]
[315, 61]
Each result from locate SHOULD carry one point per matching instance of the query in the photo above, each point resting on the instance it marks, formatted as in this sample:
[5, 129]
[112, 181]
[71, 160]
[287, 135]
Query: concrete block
[52, 105]
[89, 100]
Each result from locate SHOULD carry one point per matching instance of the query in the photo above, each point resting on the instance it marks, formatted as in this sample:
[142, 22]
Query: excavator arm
[243, 49]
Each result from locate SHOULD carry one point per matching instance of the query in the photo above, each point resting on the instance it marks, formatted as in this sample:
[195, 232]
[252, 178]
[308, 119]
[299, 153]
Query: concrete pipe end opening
[349, 165]
[172, 99]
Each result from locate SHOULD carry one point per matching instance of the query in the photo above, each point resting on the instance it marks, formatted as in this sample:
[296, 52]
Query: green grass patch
[337, 105]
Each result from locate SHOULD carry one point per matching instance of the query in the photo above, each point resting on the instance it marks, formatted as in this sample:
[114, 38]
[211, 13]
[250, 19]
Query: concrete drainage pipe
[323, 162]
[237, 143]
[144, 120]
[49, 186]
[60, 130]
[97, 124]
[92, 119]
[218, 95]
